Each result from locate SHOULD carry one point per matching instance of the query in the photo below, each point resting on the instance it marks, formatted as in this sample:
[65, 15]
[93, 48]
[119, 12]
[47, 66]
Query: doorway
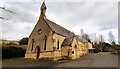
[37, 52]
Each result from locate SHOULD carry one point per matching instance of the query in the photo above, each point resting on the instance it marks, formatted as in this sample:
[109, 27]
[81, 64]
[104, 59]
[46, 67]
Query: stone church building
[51, 41]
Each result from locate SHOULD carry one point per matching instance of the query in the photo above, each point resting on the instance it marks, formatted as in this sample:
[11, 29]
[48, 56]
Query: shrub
[23, 41]
[119, 52]
[12, 52]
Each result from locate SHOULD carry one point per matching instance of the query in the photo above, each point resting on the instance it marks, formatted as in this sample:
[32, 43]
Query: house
[69, 48]
[51, 41]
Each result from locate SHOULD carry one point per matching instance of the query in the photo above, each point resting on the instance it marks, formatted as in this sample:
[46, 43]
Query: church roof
[58, 29]
[78, 38]
[68, 41]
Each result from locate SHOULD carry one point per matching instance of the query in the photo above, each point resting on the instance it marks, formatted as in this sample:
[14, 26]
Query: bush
[12, 52]
[23, 41]
[119, 52]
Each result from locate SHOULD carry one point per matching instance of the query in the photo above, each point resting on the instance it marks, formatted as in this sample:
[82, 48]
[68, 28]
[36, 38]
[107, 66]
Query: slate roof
[78, 38]
[58, 29]
[68, 41]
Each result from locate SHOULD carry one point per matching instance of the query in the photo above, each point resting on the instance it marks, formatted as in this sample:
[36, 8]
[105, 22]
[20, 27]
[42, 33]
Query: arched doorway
[37, 52]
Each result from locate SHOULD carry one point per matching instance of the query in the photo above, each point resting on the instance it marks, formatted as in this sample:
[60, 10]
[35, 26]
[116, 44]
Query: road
[93, 60]
[90, 60]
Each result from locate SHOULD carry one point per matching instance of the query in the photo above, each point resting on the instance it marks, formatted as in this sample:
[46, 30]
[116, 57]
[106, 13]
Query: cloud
[20, 15]
[16, 26]
[16, 30]
[93, 17]
[82, 13]
[61, 0]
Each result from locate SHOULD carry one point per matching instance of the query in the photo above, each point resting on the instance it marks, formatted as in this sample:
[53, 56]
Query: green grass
[104, 53]
[19, 59]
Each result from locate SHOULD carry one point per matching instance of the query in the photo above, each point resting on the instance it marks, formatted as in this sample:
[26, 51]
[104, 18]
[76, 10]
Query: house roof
[78, 38]
[61, 31]
[58, 29]
[68, 41]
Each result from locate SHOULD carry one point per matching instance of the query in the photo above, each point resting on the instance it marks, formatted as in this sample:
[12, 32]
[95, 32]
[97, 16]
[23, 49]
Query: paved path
[91, 60]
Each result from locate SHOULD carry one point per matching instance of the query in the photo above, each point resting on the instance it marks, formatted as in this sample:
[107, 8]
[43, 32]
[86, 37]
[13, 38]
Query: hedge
[12, 52]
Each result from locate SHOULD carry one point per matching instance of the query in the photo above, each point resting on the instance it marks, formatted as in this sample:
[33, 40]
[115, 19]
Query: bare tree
[95, 39]
[112, 40]
[82, 34]
[84, 37]
[101, 38]
[101, 41]
[111, 37]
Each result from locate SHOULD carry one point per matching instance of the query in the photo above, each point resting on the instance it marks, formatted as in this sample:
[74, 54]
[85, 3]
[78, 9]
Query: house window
[58, 45]
[42, 10]
[75, 46]
[32, 45]
[45, 8]
[39, 31]
[72, 52]
[45, 39]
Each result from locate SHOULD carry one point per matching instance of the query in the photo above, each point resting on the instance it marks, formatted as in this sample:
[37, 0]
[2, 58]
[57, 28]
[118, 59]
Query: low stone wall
[51, 55]
[57, 54]
[46, 55]
[30, 55]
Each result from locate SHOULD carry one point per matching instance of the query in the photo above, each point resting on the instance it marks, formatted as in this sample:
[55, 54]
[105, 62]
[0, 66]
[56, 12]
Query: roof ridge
[59, 25]
[59, 29]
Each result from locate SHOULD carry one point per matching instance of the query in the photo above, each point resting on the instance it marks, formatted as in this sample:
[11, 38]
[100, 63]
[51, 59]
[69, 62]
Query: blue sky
[95, 16]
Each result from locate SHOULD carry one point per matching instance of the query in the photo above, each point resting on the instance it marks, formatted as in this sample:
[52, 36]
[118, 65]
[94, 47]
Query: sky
[18, 18]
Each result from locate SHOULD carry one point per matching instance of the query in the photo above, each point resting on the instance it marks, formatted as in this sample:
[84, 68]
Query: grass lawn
[104, 53]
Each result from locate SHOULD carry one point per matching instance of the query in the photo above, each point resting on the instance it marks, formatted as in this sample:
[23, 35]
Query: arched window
[32, 45]
[41, 11]
[75, 46]
[45, 40]
[58, 45]
[39, 31]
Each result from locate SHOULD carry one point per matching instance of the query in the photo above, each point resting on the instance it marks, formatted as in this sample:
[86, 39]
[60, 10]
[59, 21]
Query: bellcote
[43, 9]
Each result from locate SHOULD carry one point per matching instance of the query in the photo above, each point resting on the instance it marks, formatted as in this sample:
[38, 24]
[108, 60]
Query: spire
[43, 10]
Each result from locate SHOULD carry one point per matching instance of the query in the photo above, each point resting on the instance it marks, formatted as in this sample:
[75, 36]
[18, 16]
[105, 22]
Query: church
[49, 40]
